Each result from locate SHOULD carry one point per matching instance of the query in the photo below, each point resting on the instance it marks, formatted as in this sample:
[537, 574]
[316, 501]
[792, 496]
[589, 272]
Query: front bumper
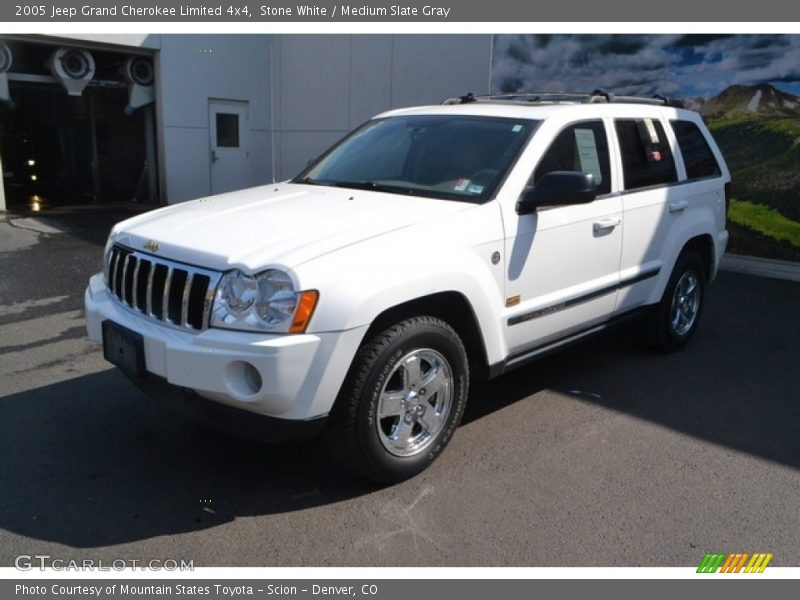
[300, 375]
[244, 424]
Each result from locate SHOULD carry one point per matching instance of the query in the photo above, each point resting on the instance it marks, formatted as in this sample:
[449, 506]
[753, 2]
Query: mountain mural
[746, 87]
[748, 100]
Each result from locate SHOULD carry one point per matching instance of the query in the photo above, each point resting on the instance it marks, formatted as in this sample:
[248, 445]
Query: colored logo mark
[734, 562]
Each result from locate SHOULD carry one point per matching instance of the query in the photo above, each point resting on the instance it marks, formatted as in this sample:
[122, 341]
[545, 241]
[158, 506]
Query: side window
[646, 156]
[697, 155]
[579, 147]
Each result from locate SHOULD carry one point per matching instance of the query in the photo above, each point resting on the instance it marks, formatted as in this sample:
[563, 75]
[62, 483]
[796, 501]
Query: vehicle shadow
[93, 462]
[735, 385]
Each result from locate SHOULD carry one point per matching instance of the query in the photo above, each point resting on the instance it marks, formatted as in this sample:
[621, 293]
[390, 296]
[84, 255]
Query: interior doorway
[60, 150]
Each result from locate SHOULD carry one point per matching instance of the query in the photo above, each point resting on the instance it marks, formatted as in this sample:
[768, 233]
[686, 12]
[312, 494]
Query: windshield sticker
[474, 189]
[461, 184]
[516, 128]
[587, 154]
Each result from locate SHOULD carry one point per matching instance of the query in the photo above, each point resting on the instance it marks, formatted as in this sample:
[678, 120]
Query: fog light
[243, 379]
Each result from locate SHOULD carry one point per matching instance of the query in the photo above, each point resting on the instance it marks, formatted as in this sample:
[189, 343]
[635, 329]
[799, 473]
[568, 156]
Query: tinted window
[646, 156]
[697, 155]
[580, 147]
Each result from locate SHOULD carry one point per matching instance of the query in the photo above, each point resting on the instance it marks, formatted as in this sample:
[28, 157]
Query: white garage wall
[192, 69]
[328, 84]
[322, 86]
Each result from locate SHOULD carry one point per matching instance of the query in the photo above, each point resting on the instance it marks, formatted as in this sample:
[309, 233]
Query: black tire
[670, 331]
[361, 440]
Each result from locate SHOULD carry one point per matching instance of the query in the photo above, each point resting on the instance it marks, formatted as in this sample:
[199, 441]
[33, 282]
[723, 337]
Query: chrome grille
[173, 293]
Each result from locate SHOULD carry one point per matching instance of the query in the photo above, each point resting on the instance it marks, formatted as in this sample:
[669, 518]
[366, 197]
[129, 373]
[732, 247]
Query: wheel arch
[703, 245]
[451, 307]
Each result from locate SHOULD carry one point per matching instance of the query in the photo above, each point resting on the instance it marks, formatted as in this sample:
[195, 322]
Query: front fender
[359, 282]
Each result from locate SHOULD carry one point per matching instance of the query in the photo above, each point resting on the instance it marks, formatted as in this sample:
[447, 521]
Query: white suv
[431, 246]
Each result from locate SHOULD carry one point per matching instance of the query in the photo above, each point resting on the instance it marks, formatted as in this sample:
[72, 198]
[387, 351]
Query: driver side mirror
[558, 188]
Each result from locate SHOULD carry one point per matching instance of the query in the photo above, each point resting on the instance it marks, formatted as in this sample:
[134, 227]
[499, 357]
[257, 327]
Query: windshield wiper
[360, 185]
[373, 186]
[310, 181]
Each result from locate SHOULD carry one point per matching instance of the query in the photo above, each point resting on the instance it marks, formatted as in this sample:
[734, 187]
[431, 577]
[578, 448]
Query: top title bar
[87, 11]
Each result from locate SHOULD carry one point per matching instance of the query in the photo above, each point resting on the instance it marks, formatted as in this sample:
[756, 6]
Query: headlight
[276, 300]
[266, 301]
[237, 294]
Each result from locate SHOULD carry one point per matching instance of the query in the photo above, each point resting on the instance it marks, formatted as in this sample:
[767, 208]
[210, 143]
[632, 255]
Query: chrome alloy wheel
[685, 304]
[415, 402]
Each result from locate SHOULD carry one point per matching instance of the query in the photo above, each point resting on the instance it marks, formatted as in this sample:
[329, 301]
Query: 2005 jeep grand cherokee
[430, 246]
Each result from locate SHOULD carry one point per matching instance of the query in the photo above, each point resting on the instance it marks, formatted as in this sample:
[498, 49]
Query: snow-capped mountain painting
[763, 99]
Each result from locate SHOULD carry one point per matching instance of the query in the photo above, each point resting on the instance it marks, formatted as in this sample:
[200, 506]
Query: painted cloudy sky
[671, 65]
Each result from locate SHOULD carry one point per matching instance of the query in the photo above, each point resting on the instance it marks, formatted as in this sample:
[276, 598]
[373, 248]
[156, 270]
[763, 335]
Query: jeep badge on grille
[151, 245]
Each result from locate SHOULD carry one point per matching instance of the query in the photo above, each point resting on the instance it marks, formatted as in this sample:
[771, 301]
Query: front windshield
[454, 157]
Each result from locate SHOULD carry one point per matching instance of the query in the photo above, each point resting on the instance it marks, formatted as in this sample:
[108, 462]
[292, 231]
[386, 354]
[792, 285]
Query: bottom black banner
[390, 589]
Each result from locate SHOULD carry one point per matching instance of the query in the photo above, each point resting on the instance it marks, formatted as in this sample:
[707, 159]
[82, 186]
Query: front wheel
[681, 305]
[402, 400]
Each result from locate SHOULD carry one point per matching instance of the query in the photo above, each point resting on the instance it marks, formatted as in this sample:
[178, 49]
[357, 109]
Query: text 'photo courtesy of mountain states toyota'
[432, 246]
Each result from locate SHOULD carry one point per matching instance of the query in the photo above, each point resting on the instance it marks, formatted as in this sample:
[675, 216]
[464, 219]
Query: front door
[563, 262]
[229, 155]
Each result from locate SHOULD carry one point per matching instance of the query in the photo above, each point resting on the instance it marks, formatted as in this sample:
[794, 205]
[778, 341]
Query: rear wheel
[681, 305]
[402, 401]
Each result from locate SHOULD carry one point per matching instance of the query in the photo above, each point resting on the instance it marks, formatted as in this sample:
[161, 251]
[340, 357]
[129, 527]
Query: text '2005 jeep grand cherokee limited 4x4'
[429, 246]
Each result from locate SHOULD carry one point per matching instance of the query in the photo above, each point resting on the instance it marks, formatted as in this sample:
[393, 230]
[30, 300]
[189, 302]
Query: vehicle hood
[279, 225]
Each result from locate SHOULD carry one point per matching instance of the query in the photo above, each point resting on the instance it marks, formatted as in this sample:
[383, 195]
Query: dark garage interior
[88, 148]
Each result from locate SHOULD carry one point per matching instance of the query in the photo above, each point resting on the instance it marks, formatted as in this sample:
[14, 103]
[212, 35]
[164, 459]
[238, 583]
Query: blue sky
[672, 65]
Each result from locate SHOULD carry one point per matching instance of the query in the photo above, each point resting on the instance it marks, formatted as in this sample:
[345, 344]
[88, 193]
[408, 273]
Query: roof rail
[559, 97]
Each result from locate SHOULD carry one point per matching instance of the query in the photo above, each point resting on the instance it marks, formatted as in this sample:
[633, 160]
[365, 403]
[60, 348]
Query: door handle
[608, 223]
[678, 206]
[214, 156]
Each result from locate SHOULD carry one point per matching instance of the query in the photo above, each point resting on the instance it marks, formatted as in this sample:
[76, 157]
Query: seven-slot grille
[174, 293]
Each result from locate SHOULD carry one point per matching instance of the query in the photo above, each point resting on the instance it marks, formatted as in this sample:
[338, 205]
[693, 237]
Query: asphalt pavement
[605, 454]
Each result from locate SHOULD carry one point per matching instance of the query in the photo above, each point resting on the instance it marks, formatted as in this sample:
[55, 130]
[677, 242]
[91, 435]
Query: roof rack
[559, 97]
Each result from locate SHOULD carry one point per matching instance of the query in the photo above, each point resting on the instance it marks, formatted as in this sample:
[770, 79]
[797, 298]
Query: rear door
[651, 201]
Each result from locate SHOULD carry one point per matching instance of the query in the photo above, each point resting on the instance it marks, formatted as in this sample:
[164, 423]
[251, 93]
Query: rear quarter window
[697, 155]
